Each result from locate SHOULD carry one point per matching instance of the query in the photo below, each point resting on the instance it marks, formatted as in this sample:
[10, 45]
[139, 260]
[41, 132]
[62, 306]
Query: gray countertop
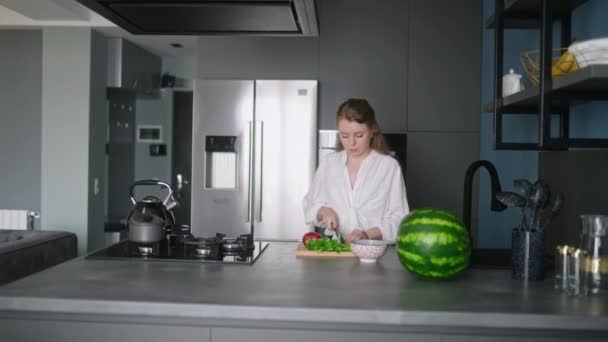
[281, 287]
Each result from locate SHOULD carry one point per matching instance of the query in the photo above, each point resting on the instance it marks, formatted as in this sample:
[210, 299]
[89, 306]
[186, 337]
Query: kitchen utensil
[330, 233]
[149, 216]
[553, 209]
[594, 241]
[369, 251]
[339, 236]
[511, 199]
[302, 252]
[511, 83]
[523, 187]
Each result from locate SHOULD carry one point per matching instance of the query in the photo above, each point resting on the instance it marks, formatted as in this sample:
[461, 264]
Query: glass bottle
[594, 241]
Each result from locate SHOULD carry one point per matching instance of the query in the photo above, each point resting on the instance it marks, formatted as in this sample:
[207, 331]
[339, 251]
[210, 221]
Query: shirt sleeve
[396, 205]
[315, 198]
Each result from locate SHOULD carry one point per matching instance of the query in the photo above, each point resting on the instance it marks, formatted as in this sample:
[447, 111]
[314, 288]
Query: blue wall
[587, 120]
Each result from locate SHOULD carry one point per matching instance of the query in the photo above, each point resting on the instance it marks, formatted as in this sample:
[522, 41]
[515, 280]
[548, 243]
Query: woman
[359, 189]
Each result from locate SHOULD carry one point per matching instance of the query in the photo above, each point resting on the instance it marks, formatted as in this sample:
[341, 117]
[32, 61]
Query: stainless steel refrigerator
[254, 152]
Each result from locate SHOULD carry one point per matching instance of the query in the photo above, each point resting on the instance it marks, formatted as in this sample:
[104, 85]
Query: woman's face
[355, 137]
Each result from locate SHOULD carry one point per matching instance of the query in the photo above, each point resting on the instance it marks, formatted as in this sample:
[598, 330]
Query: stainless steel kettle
[149, 216]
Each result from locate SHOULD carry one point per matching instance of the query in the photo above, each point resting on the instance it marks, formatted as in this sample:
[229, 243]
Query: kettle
[511, 83]
[149, 216]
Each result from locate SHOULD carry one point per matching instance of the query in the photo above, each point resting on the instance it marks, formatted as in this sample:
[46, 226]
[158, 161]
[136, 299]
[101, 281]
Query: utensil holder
[527, 255]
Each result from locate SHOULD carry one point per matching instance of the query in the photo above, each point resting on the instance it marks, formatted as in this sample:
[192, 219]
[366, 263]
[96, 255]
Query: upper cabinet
[552, 95]
[444, 80]
[363, 52]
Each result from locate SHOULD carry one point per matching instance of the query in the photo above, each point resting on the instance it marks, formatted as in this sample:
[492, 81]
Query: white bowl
[368, 250]
[590, 52]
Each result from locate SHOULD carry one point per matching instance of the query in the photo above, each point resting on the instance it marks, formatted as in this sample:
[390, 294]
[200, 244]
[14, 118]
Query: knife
[339, 236]
[336, 232]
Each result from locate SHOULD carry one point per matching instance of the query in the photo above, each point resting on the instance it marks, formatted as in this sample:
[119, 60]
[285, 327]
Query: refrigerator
[254, 154]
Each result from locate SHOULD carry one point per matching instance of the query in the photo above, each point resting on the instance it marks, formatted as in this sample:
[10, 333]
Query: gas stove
[182, 246]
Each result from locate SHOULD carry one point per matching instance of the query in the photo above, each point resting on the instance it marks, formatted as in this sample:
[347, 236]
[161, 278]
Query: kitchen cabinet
[363, 52]
[284, 298]
[436, 164]
[271, 335]
[550, 96]
[22, 330]
[444, 80]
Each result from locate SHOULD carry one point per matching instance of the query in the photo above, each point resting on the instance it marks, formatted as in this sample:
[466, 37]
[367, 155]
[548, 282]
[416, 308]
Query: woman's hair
[360, 111]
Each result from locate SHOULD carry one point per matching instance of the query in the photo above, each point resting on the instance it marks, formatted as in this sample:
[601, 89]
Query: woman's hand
[359, 234]
[356, 234]
[329, 218]
[374, 233]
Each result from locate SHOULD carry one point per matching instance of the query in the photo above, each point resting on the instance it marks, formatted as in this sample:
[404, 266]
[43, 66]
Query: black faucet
[468, 189]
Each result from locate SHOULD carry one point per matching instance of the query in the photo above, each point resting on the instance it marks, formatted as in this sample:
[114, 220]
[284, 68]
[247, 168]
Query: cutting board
[302, 252]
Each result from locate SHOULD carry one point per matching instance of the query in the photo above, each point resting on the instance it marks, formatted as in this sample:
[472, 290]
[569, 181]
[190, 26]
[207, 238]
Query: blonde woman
[359, 189]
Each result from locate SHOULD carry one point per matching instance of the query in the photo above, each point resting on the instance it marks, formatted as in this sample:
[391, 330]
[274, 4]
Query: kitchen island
[284, 298]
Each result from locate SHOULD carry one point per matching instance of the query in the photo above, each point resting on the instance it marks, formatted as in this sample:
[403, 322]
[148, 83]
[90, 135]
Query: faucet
[495, 205]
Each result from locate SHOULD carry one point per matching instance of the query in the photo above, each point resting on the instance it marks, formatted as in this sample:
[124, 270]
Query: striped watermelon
[433, 244]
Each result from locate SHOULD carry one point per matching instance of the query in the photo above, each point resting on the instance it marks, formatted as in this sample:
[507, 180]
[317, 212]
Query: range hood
[203, 17]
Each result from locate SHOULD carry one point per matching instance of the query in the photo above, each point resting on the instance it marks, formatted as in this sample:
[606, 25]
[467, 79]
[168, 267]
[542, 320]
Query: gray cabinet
[436, 164]
[271, 335]
[250, 57]
[363, 53]
[444, 83]
[17, 330]
[530, 338]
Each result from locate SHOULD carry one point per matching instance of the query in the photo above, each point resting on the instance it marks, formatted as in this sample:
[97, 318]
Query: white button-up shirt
[378, 198]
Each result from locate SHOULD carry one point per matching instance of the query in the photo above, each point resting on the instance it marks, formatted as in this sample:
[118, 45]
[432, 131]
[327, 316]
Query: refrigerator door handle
[247, 151]
[258, 172]
[179, 185]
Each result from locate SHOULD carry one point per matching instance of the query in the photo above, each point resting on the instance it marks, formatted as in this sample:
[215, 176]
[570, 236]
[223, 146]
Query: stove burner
[233, 245]
[241, 245]
[238, 250]
[178, 233]
[145, 251]
[202, 247]
[203, 252]
[138, 249]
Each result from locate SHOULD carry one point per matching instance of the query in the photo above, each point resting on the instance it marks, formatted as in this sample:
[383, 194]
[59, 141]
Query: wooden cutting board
[302, 252]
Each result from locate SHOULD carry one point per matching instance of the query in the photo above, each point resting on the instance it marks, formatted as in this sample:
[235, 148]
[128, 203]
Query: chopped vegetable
[326, 244]
[310, 235]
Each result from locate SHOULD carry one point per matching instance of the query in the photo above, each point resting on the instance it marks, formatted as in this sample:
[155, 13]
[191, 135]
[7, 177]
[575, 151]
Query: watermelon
[433, 244]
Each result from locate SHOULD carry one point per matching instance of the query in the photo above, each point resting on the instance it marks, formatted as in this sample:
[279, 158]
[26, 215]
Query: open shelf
[586, 84]
[558, 94]
[522, 14]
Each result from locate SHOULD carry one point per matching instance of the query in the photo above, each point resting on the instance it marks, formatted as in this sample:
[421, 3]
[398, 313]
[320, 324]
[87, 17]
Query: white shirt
[378, 198]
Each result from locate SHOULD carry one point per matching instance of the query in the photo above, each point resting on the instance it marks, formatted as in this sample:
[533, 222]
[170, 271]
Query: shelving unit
[551, 95]
[574, 88]
[518, 14]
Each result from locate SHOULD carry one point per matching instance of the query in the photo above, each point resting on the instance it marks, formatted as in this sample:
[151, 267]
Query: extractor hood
[203, 17]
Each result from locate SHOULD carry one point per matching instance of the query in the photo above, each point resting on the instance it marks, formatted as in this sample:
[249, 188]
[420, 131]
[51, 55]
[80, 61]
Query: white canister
[511, 83]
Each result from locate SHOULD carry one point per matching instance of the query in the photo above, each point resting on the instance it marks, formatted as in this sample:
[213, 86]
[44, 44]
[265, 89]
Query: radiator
[18, 219]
